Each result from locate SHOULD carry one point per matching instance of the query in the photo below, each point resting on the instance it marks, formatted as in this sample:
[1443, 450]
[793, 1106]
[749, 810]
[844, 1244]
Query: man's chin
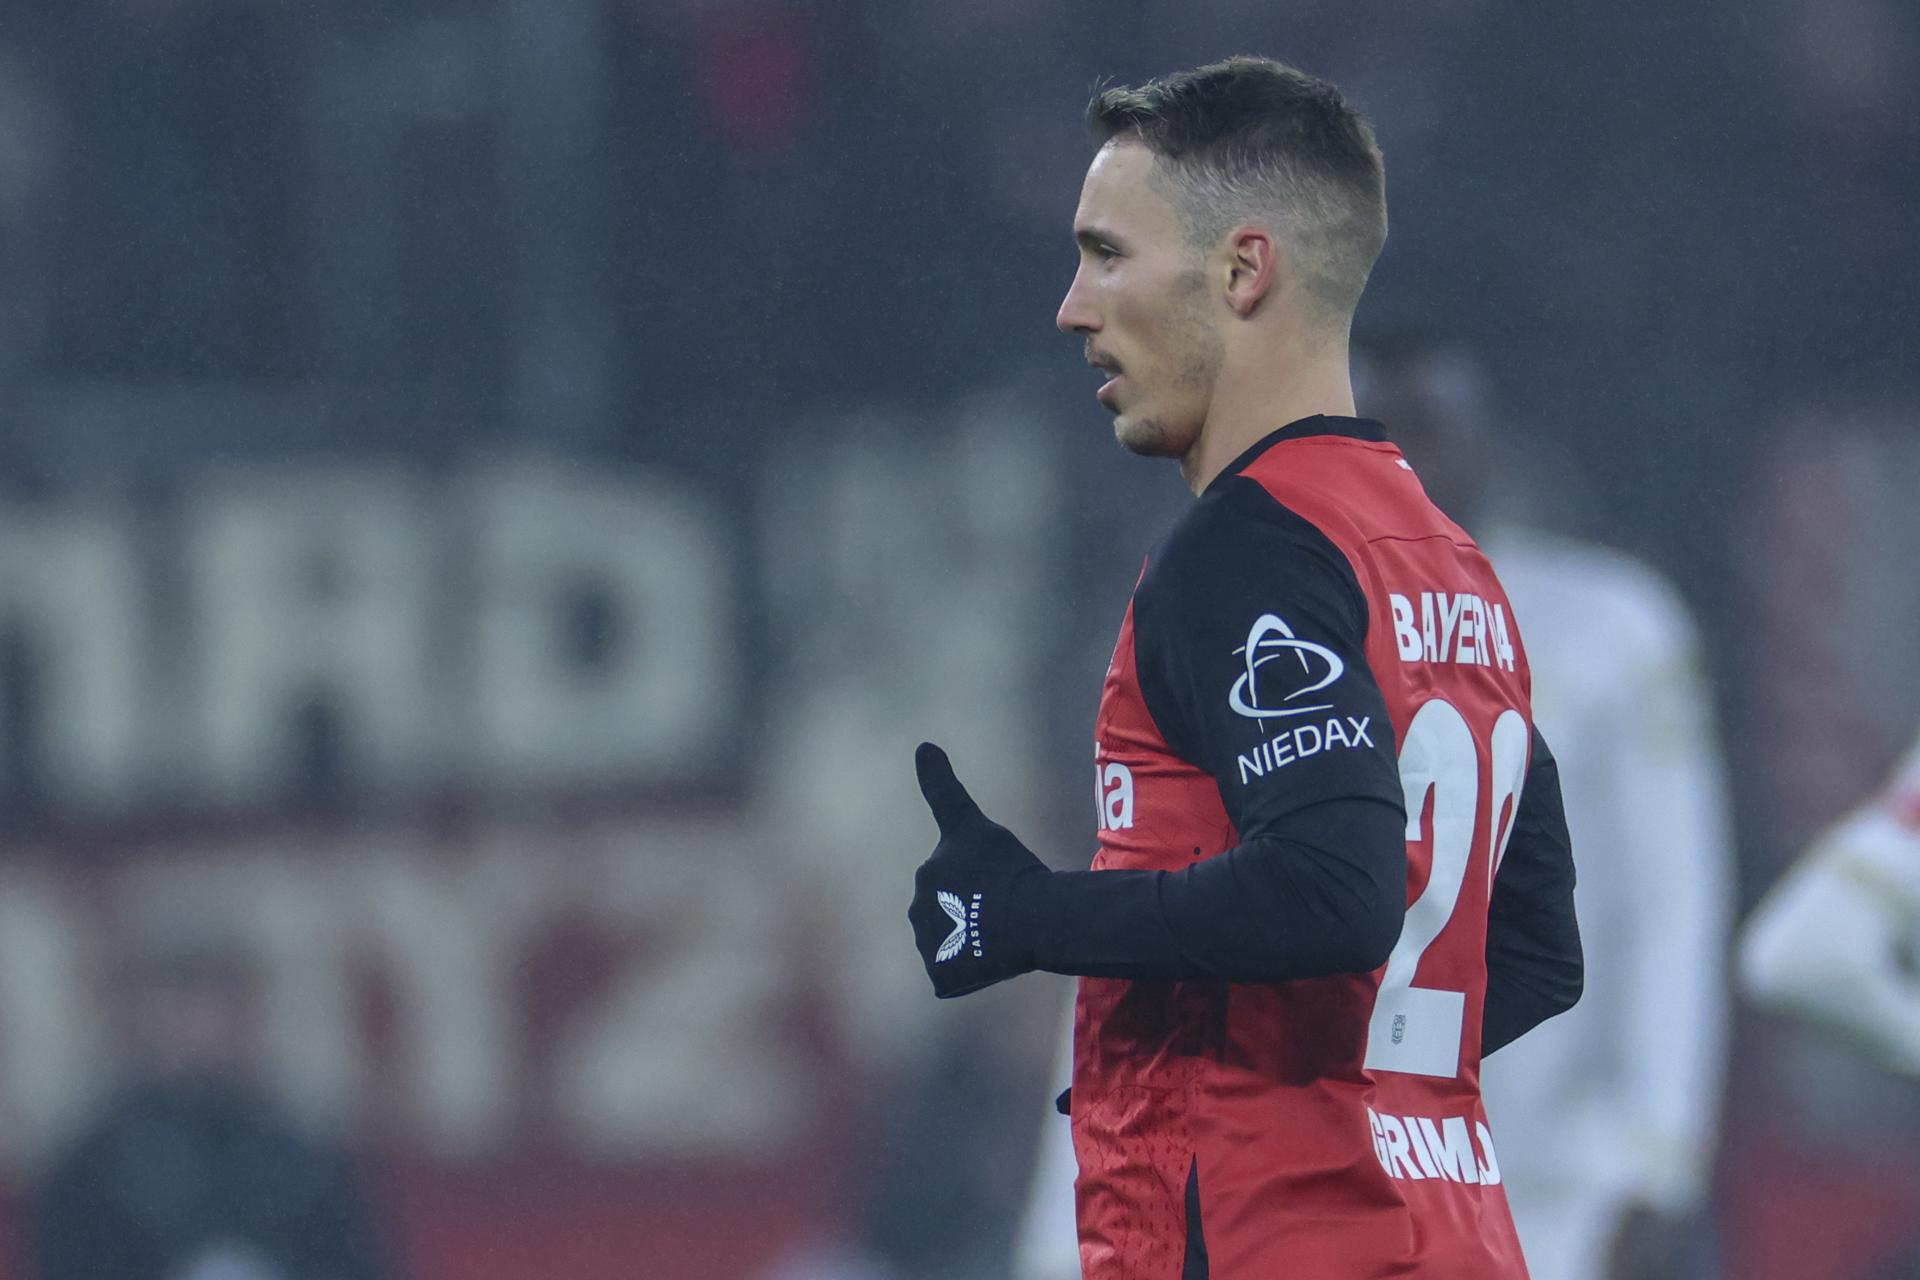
[1144, 436]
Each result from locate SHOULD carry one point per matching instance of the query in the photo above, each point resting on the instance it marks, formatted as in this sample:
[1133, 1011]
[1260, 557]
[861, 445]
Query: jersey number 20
[1420, 1030]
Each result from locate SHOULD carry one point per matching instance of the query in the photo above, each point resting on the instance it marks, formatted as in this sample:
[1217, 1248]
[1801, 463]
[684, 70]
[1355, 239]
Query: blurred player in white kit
[1606, 1116]
[1836, 941]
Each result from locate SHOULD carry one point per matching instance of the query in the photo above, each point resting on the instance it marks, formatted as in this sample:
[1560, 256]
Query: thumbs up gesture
[977, 901]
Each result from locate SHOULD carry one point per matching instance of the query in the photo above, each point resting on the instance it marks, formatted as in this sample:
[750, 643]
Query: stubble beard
[1194, 363]
[1144, 437]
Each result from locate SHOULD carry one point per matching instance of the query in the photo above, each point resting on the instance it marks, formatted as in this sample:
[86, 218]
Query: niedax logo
[1283, 672]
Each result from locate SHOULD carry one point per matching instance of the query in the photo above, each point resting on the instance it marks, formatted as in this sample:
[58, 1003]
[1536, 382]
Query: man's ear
[1252, 267]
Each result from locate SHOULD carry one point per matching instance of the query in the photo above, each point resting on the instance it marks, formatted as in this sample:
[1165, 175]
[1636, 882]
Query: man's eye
[1105, 252]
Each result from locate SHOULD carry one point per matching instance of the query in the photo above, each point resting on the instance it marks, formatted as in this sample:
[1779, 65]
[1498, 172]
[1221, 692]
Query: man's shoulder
[1234, 523]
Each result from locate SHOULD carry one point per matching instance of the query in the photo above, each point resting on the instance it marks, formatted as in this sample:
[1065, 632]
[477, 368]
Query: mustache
[1100, 359]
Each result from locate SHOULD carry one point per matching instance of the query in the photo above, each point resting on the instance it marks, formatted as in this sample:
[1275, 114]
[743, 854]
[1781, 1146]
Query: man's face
[1141, 301]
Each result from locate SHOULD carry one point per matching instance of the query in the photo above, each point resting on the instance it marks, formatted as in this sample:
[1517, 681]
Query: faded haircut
[1254, 140]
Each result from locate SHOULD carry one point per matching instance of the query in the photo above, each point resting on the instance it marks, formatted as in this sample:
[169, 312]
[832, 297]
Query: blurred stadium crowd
[490, 493]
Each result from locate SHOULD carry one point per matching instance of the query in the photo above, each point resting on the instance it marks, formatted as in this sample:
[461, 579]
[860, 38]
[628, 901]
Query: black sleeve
[1534, 965]
[1250, 647]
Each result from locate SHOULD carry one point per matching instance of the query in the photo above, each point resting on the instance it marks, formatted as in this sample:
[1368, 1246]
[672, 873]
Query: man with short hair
[1333, 871]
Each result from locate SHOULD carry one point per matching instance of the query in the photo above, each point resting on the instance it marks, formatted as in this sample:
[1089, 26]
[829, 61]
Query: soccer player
[1835, 941]
[1333, 870]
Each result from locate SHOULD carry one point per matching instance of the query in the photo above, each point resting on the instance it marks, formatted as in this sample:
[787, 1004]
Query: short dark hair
[1251, 136]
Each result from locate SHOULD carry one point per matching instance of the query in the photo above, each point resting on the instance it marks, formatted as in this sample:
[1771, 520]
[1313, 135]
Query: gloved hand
[977, 900]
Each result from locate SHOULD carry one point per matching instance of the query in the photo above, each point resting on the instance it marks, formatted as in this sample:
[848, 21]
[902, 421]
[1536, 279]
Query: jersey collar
[1319, 425]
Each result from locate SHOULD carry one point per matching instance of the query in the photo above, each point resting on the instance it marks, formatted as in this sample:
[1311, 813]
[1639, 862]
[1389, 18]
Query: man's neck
[1245, 410]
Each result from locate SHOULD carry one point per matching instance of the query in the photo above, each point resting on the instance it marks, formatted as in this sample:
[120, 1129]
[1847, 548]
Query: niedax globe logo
[1283, 672]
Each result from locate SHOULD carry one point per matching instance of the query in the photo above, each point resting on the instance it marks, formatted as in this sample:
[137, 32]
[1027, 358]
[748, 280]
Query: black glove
[976, 900]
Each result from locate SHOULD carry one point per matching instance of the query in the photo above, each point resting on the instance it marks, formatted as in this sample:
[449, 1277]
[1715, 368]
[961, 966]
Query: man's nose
[1075, 315]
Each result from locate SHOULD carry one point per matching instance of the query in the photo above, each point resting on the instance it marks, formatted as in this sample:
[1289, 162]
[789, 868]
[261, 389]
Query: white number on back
[1419, 1030]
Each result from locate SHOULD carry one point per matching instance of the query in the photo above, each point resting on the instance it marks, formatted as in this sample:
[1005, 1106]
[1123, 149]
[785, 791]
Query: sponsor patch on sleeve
[1283, 682]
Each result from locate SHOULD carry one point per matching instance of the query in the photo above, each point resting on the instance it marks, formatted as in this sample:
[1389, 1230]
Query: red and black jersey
[1315, 739]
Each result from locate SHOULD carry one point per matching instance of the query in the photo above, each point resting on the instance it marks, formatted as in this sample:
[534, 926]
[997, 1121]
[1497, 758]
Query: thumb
[949, 800]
